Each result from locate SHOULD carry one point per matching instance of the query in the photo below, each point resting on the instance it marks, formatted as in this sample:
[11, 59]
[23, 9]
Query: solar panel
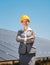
[9, 46]
[42, 47]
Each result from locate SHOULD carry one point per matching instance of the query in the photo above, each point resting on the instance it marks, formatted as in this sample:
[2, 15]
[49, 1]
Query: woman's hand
[19, 37]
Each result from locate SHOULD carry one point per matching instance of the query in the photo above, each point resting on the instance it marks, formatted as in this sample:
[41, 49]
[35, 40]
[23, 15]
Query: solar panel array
[9, 46]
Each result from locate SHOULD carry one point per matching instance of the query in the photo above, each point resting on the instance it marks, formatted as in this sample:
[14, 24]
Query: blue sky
[38, 10]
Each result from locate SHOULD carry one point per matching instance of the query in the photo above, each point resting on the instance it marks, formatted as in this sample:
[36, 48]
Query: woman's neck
[25, 28]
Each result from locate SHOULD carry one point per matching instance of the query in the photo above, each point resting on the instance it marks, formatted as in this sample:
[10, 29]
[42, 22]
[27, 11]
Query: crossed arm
[20, 39]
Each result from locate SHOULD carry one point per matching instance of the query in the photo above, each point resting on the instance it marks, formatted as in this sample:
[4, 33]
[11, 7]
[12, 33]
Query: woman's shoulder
[20, 31]
[32, 30]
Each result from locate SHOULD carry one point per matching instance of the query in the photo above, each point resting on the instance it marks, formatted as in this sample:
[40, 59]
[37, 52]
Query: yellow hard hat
[25, 17]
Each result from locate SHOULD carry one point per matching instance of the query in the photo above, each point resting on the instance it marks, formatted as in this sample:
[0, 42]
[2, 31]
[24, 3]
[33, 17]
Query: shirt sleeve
[33, 32]
[19, 34]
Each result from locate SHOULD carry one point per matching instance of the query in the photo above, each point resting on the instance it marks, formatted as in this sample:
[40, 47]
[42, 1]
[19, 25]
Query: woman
[26, 38]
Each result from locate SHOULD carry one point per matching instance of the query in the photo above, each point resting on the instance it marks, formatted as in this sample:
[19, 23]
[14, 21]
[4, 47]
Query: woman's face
[25, 23]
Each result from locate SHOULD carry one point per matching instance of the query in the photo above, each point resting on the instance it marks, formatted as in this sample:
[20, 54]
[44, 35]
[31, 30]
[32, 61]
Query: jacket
[26, 46]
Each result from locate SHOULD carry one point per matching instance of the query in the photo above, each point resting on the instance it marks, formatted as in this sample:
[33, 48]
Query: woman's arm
[32, 37]
[18, 37]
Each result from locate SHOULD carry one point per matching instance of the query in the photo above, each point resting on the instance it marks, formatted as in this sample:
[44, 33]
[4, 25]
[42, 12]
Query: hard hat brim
[27, 20]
